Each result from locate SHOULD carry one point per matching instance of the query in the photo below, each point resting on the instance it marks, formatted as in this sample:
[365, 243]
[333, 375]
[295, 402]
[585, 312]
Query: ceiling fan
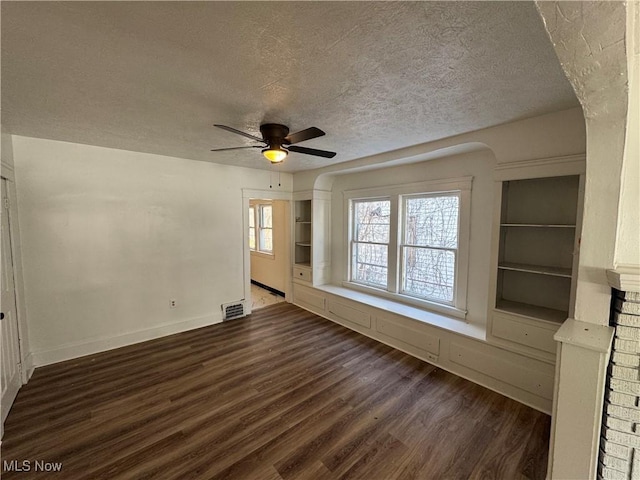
[277, 142]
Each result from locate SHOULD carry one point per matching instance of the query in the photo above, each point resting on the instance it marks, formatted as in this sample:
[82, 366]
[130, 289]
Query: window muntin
[370, 244]
[430, 246]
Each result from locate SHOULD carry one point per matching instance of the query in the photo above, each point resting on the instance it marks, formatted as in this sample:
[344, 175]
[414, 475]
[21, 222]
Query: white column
[583, 355]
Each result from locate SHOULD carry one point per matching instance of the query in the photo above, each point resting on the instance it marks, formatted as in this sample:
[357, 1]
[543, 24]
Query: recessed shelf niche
[303, 233]
[537, 246]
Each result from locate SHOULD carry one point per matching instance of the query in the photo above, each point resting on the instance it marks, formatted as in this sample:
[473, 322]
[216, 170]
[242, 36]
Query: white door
[9, 342]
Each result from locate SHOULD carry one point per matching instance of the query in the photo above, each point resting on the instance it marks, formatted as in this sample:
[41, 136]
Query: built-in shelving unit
[537, 216]
[537, 245]
[303, 233]
[311, 232]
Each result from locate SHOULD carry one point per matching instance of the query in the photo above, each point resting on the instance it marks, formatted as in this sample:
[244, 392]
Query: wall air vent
[232, 310]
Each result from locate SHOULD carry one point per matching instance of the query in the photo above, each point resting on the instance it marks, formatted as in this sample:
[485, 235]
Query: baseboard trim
[81, 349]
[267, 287]
[27, 368]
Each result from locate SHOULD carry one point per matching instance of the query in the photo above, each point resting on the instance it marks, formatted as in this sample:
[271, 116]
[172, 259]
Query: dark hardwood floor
[280, 394]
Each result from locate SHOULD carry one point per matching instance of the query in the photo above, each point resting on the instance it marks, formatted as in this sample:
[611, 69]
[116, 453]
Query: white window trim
[461, 185]
[257, 221]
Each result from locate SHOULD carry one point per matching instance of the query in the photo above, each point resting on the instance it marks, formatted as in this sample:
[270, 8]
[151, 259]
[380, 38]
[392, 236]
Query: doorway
[268, 245]
[262, 296]
[11, 373]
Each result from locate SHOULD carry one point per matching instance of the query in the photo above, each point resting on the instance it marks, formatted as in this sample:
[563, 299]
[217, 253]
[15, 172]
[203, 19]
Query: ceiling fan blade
[236, 148]
[302, 135]
[312, 151]
[233, 130]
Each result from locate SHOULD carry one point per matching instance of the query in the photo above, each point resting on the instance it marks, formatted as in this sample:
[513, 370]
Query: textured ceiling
[376, 76]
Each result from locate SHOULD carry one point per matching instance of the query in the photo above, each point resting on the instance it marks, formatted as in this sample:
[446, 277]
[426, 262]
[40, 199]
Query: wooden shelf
[535, 225]
[302, 244]
[306, 222]
[532, 311]
[303, 264]
[537, 269]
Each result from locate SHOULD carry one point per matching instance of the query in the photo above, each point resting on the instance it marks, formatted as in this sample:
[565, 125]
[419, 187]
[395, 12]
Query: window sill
[440, 320]
[268, 256]
[399, 299]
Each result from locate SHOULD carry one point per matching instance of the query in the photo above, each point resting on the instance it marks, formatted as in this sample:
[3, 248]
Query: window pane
[266, 212]
[432, 221]
[252, 228]
[370, 264]
[252, 238]
[371, 221]
[266, 240]
[371, 254]
[428, 273]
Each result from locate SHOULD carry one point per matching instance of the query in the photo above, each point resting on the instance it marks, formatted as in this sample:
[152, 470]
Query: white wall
[593, 41]
[627, 244]
[600, 79]
[550, 135]
[271, 270]
[6, 149]
[110, 236]
[478, 164]
[8, 172]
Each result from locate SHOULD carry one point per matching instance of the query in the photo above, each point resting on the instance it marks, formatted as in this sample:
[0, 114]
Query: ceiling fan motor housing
[274, 134]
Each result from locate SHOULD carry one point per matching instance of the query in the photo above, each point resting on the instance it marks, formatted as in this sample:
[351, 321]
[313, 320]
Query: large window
[261, 228]
[412, 244]
[430, 246]
[371, 241]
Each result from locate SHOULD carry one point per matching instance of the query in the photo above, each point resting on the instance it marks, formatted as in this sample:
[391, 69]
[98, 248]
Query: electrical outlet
[172, 303]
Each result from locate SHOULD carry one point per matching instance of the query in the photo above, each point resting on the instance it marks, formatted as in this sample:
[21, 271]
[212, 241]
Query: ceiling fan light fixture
[275, 155]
